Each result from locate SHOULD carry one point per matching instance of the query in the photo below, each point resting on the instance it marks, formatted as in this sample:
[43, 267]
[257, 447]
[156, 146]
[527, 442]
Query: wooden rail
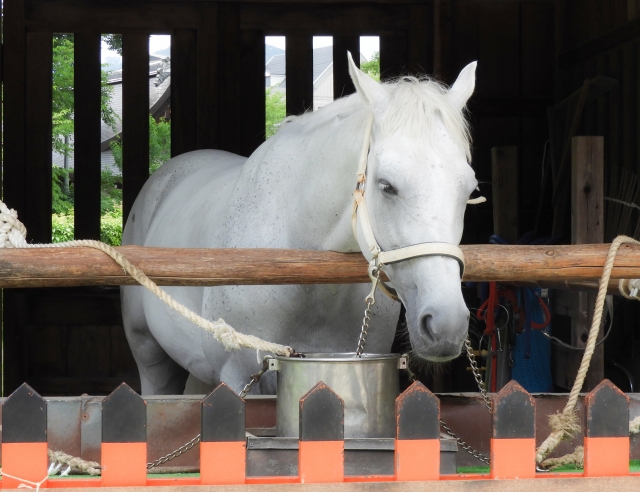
[65, 267]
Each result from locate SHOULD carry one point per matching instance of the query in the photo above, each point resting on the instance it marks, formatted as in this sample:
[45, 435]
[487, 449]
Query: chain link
[370, 300]
[476, 374]
[464, 445]
[173, 455]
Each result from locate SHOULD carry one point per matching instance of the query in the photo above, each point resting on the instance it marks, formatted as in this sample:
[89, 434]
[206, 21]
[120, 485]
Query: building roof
[158, 100]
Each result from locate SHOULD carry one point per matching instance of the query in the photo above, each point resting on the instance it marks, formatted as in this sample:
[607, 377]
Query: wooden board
[85, 266]
[208, 84]
[135, 117]
[252, 103]
[87, 137]
[394, 56]
[184, 135]
[342, 84]
[299, 61]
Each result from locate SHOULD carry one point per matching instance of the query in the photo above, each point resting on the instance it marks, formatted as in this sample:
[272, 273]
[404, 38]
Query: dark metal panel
[607, 411]
[24, 416]
[342, 84]
[417, 413]
[299, 61]
[321, 415]
[223, 416]
[514, 413]
[87, 79]
[124, 416]
[183, 91]
[135, 117]
[208, 109]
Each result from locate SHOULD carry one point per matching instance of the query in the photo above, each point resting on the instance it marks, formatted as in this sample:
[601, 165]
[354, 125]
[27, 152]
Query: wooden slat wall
[299, 60]
[87, 135]
[218, 102]
[135, 117]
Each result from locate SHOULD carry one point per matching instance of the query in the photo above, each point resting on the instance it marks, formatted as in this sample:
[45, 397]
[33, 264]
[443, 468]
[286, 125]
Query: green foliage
[276, 111]
[63, 94]
[110, 193]
[62, 201]
[159, 145]
[114, 42]
[110, 227]
[372, 67]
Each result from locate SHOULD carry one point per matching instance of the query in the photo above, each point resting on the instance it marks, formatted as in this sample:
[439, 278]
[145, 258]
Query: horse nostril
[426, 325]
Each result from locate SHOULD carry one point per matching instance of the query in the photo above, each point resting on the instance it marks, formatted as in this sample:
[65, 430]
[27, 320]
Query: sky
[368, 44]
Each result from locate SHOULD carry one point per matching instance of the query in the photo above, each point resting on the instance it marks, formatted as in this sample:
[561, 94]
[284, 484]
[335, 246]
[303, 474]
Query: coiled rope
[13, 234]
[565, 425]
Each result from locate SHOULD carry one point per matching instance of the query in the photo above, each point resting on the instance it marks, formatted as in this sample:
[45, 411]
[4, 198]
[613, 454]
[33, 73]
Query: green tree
[276, 111]
[372, 67]
[159, 144]
[114, 42]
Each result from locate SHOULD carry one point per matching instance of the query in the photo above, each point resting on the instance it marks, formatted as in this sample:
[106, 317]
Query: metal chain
[464, 445]
[186, 447]
[476, 373]
[370, 300]
[181, 450]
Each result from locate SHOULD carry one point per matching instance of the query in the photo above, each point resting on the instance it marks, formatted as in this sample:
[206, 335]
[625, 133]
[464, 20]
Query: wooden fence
[321, 444]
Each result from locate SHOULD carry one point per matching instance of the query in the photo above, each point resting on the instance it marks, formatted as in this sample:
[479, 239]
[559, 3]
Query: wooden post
[184, 82]
[342, 84]
[24, 438]
[417, 444]
[587, 226]
[606, 440]
[513, 443]
[321, 451]
[442, 39]
[223, 441]
[299, 62]
[124, 439]
[504, 177]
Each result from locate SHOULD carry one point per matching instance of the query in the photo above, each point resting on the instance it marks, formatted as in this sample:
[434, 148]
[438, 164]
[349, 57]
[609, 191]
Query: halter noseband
[379, 257]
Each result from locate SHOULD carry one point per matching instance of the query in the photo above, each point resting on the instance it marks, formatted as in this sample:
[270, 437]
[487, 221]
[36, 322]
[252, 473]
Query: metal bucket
[368, 386]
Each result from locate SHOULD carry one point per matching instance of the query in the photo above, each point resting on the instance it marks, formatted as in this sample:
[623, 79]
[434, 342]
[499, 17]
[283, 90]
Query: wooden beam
[39, 94]
[252, 102]
[48, 267]
[394, 56]
[87, 118]
[229, 55]
[342, 84]
[184, 114]
[135, 117]
[208, 85]
[420, 39]
[504, 180]
[587, 226]
[299, 61]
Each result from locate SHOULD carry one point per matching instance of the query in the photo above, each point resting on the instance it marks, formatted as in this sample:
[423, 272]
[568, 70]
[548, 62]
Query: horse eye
[385, 187]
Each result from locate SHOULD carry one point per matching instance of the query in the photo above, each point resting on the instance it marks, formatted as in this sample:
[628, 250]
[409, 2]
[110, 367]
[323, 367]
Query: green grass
[634, 467]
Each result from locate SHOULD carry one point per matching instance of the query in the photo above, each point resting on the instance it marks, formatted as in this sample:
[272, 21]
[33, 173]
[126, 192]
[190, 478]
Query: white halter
[379, 257]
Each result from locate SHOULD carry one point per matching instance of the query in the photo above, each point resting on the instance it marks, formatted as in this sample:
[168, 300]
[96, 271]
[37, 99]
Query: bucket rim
[338, 357]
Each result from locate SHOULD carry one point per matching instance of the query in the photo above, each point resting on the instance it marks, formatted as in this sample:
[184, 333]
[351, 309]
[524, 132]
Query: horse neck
[328, 151]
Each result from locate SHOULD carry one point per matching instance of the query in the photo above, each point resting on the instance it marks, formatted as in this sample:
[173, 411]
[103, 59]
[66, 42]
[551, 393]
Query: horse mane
[413, 107]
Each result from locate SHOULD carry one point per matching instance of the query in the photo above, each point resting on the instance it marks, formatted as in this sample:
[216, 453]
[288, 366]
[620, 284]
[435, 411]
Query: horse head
[418, 180]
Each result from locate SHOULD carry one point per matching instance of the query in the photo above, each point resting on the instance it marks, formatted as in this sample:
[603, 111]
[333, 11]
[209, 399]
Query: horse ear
[370, 90]
[462, 88]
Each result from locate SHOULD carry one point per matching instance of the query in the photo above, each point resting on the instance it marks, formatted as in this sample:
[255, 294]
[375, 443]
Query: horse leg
[159, 373]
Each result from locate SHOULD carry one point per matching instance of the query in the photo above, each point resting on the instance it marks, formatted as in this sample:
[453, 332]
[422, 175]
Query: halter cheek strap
[379, 257]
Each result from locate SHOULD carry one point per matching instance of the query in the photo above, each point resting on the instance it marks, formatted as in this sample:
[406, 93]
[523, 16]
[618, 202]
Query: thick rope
[634, 426]
[88, 467]
[13, 234]
[565, 425]
[576, 458]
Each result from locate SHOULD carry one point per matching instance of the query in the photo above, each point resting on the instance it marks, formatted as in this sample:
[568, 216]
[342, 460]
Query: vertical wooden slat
[420, 49]
[299, 60]
[252, 103]
[342, 84]
[183, 91]
[208, 110]
[442, 13]
[629, 103]
[37, 217]
[587, 227]
[394, 56]
[228, 116]
[135, 117]
[87, 135]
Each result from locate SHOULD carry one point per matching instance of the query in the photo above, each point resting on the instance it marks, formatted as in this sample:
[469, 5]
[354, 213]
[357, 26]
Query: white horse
[296, 191]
